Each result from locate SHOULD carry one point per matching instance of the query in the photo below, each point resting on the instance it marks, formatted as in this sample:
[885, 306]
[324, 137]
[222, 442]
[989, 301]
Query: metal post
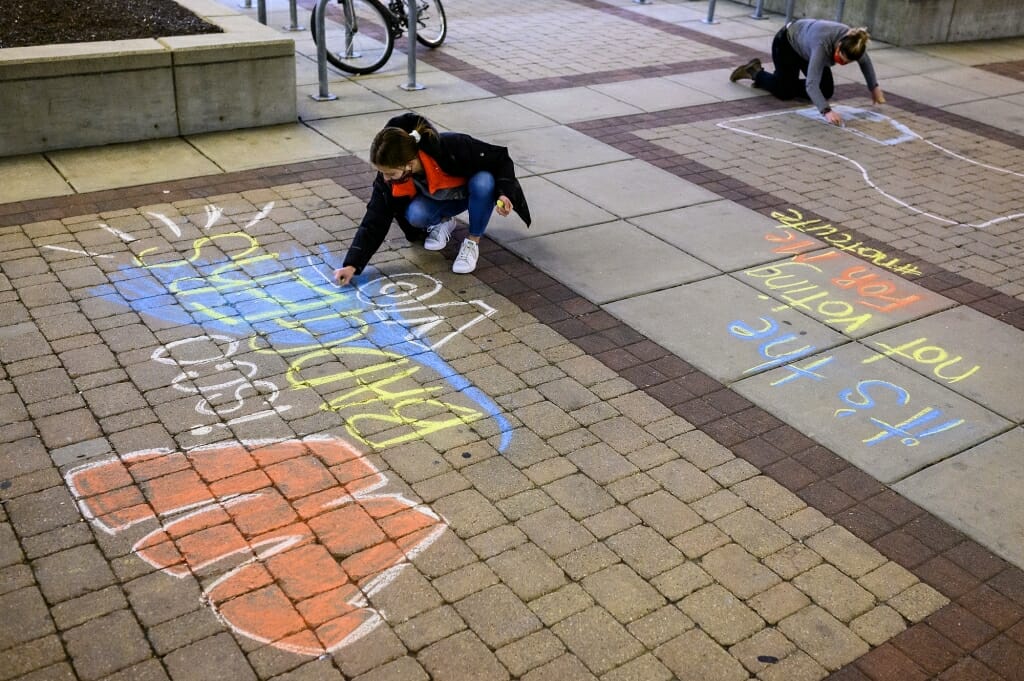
[412, 84]
[261, 11]
[319, 12]
[642, 2]
[710, 19]
[759, 11]
[840, 7]
[789, 10]
[293, 12]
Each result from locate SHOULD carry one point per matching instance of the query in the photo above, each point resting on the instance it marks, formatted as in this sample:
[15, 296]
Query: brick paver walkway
[503, 500]
[214, 464]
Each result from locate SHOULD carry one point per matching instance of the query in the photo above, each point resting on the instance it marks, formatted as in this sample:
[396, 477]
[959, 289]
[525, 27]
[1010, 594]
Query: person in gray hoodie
[812, 47]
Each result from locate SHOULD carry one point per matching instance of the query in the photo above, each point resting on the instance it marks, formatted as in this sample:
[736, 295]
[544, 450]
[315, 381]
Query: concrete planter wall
[919, 22]
[87, 94]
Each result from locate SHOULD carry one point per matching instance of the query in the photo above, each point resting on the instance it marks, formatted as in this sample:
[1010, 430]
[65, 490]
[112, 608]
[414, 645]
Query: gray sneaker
[465, 261]
[439, 235]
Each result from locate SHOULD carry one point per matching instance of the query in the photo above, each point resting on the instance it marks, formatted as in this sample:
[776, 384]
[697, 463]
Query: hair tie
[415, 135]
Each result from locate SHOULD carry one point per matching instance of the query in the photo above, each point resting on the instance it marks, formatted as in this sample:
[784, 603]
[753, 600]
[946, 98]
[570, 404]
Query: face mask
[401, 178]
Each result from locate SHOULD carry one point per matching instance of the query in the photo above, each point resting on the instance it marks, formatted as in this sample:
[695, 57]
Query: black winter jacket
[458, 154]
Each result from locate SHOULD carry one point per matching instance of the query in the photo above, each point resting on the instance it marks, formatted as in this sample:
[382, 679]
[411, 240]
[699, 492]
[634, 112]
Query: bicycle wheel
[431, 24]
[359, 38]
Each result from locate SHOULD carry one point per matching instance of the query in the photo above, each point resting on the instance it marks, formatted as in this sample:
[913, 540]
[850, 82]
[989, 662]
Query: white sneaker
[439, 235]
[465, 261]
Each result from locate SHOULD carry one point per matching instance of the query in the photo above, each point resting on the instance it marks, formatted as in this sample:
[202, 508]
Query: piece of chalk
[501, 204]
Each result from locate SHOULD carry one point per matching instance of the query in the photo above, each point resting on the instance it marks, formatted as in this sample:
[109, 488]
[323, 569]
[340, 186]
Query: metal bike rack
[319, 12]
[759, 11]
[643, 2]
[789, 10]
[293, 17]
[710, 18]
[840, 8]
[412, 84]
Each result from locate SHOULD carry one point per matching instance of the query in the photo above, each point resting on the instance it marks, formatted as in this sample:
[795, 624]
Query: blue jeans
[424, 212]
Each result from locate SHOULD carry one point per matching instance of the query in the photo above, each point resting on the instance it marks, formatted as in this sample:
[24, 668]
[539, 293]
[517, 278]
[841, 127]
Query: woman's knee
[418, 214]
[481, 183]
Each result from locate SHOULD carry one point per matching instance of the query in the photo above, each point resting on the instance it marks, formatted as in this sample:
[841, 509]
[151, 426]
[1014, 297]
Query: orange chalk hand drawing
[288, 540]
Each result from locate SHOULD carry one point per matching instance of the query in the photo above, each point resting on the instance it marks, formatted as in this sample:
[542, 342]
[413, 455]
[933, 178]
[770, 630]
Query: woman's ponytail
[394, 147]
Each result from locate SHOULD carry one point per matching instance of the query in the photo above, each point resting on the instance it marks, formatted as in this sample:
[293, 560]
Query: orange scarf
[436, 179]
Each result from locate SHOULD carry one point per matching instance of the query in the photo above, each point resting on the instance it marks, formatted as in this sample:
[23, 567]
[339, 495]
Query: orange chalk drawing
[288, 540]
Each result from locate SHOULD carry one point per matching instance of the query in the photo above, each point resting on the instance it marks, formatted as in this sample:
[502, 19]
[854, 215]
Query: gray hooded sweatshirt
[815, 40]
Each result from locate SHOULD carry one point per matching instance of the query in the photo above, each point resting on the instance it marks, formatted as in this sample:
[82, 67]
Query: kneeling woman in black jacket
[426, 178]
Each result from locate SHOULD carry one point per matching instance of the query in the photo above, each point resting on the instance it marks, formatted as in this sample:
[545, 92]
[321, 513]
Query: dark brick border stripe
[500, 86]
[618, 132]
[1010, 69]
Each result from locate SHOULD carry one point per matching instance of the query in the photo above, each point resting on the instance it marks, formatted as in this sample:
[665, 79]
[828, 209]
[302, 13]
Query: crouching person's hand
[343, 275]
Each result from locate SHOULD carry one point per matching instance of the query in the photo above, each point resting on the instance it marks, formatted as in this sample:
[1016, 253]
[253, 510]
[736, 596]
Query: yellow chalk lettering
[925, 355]
[376, 391]
[894, 350]
[845, 236]
[954, 379]
[821, 230]
[420, 427]
[793, 216]
[802, 302]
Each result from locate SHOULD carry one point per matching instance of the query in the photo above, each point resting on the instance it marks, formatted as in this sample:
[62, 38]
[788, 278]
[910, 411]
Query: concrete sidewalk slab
[352, 99]
[966, 351]
[97, 168]
[925, 89]
[715, 82]
[483, 117]
[553, 210]
[884, 418]
[245, 149]
[978, 491]
[630, 188]
[908, 60]
[571, 105]
[979, 80]
[544, 150]
[611, 261]
[706, 322]
[656, 94]
[1001, 113]
[30, 177]
[723, 234]
[439, 87]
[858, 299]
[354, 133]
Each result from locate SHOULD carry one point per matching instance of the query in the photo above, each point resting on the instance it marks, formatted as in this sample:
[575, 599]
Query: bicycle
[369, 29]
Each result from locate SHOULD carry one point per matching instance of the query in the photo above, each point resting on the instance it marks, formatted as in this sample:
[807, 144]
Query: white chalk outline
[907, 135]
